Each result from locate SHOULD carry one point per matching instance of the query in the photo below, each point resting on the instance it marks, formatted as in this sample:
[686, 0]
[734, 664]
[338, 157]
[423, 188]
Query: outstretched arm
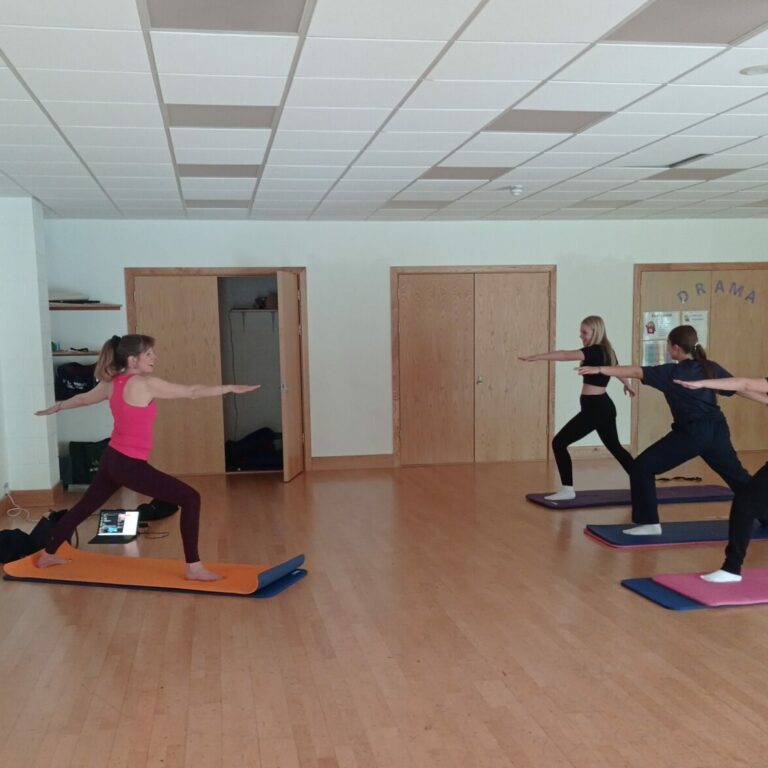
[555, 355]
[619, 371]
[96, 395]
[627, 386]
[166, 390]
[729, 384]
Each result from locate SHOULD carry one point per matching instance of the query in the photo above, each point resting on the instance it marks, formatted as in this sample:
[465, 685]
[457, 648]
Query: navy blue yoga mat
[619, 497]
[673, 534]
[662, 596]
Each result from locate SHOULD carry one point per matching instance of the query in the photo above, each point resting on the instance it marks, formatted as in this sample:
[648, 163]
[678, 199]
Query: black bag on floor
[16, 544]
[156, 510]
[84, 460]
[73, 379]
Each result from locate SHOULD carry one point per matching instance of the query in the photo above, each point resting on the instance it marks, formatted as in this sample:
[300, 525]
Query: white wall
[28, 459]
[349, 287]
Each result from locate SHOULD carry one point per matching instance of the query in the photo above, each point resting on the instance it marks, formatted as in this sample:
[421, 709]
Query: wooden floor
[445, 622]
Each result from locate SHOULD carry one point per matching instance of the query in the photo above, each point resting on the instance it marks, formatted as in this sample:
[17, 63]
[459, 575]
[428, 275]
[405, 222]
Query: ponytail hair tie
[115, 341]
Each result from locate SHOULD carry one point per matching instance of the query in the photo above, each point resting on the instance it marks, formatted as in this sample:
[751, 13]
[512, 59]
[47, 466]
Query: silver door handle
[479, 380]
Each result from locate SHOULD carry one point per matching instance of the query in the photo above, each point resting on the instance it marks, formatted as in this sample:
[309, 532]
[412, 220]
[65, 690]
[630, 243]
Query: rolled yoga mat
[687, 591]
[93, 569]
[672, 534]
[620, 497]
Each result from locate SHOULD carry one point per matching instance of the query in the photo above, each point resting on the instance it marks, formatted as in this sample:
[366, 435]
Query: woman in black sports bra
[598, 413]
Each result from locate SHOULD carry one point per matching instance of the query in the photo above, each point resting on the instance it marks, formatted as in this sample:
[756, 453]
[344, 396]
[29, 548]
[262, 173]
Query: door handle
[479, 380]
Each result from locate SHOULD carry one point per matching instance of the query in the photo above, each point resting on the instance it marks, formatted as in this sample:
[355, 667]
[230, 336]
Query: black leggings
[117, 470]
[708, 438]
[597, 413]
[749, 504]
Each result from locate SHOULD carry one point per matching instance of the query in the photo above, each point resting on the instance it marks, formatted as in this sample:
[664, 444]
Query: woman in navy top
[751, 502]
[699, 427]
[597, 409]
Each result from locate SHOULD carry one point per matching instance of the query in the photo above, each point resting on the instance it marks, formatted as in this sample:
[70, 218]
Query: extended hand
[48, 411]
[587, 370]
[688, 384]
[629, 391]
[241, 389]
[527, 359]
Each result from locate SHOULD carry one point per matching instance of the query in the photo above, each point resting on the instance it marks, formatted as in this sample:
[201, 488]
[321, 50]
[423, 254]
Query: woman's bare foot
[198, 572]
[45, 560]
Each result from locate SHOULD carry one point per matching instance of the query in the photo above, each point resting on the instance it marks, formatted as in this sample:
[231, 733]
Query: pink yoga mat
[751, 590]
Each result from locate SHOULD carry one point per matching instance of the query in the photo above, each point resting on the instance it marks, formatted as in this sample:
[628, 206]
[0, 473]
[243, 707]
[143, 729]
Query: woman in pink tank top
[125, 374]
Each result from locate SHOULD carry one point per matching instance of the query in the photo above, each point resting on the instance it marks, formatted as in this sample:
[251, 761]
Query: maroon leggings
[117, 470]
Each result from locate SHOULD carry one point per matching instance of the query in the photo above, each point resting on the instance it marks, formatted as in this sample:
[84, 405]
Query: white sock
[721, 577]
[644, 530]
[566, 492]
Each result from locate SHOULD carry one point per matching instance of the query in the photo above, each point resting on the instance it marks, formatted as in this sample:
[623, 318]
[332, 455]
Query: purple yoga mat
[619, 497]
[752, 589]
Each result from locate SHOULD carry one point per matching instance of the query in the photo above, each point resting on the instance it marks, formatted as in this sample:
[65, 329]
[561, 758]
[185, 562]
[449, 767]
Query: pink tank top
[132, 433]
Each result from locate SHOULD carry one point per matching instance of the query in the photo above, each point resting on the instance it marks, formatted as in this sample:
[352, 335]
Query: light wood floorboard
[444, 623]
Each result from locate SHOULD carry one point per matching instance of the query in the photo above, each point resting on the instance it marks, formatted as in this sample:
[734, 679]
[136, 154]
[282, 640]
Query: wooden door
[661, 291]
[738, 342]
[436, 364]
[511, 397]
[289, 332]
[181, 313]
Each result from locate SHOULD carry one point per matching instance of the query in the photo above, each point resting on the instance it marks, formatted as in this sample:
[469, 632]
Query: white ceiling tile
[84, 49]
[487, 159]
[217, 213]
[501, 141]
[125, 154]
[619, 173]
[238, 90]
[362, 172]
[336, 196]
[114, 137]
[321, 139]
[413, 140]
[415, 195]
[412, 214]
[730, 124]
[446, 185]
[370, 157]
[216, 194]
[232, 156]
[728, 160]
[615, 63]
[220, 138]
[317, 119]
[116, 184]
[346, 92]
[281, 195]
[706, 99]
[385, 186]
[20, 163]
[96, 14]
[23, 113]
[266, 185]
[592, 142]
[159, 170]
[675, 148]
[59, 153]
[393, 20]
[106, 114]
[553, 21]
[641, 123]
[80, 85]
[192, 53]
[571, 159]
[10, 87]
[503, 61]
[29, 134]
[312, 157]
[590, 97]
[272, 171]
[725, 69]
[754, 147]
[468, 94]
[385, 59]
[454, 120]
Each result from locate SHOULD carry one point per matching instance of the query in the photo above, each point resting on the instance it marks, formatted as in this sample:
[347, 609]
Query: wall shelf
[62, 307]
[73, 353]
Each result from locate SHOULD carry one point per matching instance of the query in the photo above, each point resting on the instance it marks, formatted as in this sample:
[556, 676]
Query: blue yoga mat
[673, 534]
[662, 596]
[619, 497]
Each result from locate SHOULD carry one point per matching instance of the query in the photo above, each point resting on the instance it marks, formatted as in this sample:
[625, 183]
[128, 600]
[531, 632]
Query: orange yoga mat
[93, 569]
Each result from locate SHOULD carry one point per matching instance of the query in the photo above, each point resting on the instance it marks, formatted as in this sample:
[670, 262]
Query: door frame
[131, 273]
[639, 269]
[394, 276]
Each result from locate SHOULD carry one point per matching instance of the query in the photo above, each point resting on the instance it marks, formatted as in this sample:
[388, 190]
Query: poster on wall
[699, 319]
[656, 328]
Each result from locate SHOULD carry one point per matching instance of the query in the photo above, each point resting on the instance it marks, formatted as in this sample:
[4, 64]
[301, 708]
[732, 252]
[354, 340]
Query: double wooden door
[462, 395]
[181, 312]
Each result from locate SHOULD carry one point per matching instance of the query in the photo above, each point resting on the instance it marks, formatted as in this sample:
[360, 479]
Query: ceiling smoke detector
[758, 69]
